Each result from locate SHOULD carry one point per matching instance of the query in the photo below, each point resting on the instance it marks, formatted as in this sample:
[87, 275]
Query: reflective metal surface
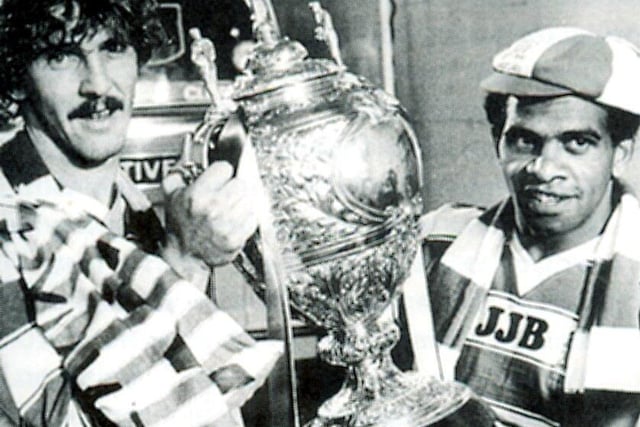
[342, 170]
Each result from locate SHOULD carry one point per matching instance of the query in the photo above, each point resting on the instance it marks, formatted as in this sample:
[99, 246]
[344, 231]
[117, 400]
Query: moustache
[90, 107]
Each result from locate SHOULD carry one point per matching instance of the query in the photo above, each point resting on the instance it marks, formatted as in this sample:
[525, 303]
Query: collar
[26, 174]
[475, 255]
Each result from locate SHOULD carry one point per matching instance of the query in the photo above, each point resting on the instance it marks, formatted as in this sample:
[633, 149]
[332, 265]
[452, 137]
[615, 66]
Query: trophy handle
[283, 382]
[325, 31]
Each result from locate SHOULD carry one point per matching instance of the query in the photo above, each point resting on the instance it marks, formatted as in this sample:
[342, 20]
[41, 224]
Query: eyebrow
[520, 131]
[44, 54]
[582, 132]
[77, 49]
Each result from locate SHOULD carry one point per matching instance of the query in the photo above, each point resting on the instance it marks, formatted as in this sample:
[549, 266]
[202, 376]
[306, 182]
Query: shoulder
[448, 221]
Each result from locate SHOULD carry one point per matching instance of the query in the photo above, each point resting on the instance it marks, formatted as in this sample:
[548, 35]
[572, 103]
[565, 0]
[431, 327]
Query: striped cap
[560, 61]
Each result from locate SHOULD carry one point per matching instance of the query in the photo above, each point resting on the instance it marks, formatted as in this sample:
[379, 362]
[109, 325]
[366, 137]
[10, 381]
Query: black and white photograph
[325, 213]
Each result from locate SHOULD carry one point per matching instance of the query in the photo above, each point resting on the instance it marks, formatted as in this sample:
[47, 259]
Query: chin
[550, 227]
[95, 158]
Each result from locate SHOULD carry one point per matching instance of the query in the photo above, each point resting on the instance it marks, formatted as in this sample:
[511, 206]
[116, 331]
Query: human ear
[622, 154]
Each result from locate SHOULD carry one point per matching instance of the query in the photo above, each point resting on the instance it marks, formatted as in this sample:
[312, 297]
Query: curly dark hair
[30, 28]
[621, 124]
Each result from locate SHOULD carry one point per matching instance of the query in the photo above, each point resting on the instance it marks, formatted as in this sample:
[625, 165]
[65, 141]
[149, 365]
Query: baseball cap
[564, 60]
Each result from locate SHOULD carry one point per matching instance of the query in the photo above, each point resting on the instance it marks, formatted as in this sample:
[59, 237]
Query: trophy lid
[277, 61]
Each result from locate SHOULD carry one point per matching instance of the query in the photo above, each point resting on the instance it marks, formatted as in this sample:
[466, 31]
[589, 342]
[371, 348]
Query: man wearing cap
[536, 300]
[96, 328]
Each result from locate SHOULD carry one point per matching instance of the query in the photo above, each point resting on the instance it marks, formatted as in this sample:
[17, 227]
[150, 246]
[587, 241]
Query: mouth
[544, 201]
[100, 114]
[97, 110]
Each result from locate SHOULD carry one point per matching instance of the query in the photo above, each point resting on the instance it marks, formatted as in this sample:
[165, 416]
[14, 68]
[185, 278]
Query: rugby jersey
[96, 330]
[517, 349]
[130, 215]
[538, 350]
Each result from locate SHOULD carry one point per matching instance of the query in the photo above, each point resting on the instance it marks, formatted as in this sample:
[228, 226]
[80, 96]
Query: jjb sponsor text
[538, 333]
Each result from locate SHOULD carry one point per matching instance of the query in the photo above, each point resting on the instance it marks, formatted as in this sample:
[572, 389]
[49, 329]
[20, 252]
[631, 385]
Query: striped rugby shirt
[545, 344]
[96, 330]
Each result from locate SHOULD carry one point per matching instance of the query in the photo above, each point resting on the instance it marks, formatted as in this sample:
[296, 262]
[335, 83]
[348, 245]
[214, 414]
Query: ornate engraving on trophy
[342, 169]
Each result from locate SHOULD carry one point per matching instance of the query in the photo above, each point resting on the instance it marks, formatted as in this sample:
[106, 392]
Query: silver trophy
[342, 170]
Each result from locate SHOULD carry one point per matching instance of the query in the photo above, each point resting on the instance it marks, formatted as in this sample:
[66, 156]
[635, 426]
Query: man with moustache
[96, 328]
[536, 300]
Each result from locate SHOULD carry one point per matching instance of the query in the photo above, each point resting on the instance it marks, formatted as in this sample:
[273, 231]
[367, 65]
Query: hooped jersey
[508, 325]
[515, 355]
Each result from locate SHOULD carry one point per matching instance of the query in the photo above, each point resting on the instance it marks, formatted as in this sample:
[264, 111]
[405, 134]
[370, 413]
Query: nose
[547, 164]
[95, 82]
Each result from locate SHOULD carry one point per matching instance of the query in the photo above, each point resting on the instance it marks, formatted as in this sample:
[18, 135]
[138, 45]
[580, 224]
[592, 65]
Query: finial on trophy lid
[325, 31]
[277, 61]
[265, 23]
[203, 56]
[198, 146]
[273, 52]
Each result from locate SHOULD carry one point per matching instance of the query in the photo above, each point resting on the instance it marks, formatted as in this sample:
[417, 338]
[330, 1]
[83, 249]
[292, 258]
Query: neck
[96, 181]
[540, 245]
[549, 245]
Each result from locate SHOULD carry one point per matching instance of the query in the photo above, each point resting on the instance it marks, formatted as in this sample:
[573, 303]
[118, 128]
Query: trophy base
[418, 402]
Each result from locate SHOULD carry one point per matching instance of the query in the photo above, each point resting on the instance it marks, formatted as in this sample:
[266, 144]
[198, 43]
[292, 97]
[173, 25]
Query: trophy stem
[375, 392]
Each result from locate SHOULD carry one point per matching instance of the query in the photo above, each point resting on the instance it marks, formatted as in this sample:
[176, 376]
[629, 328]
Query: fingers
[219, 197]
[215, 215]
[172, 182]
[215, 176]
[210, 187]
[174, 179]
[233, 225]
[220, 238]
